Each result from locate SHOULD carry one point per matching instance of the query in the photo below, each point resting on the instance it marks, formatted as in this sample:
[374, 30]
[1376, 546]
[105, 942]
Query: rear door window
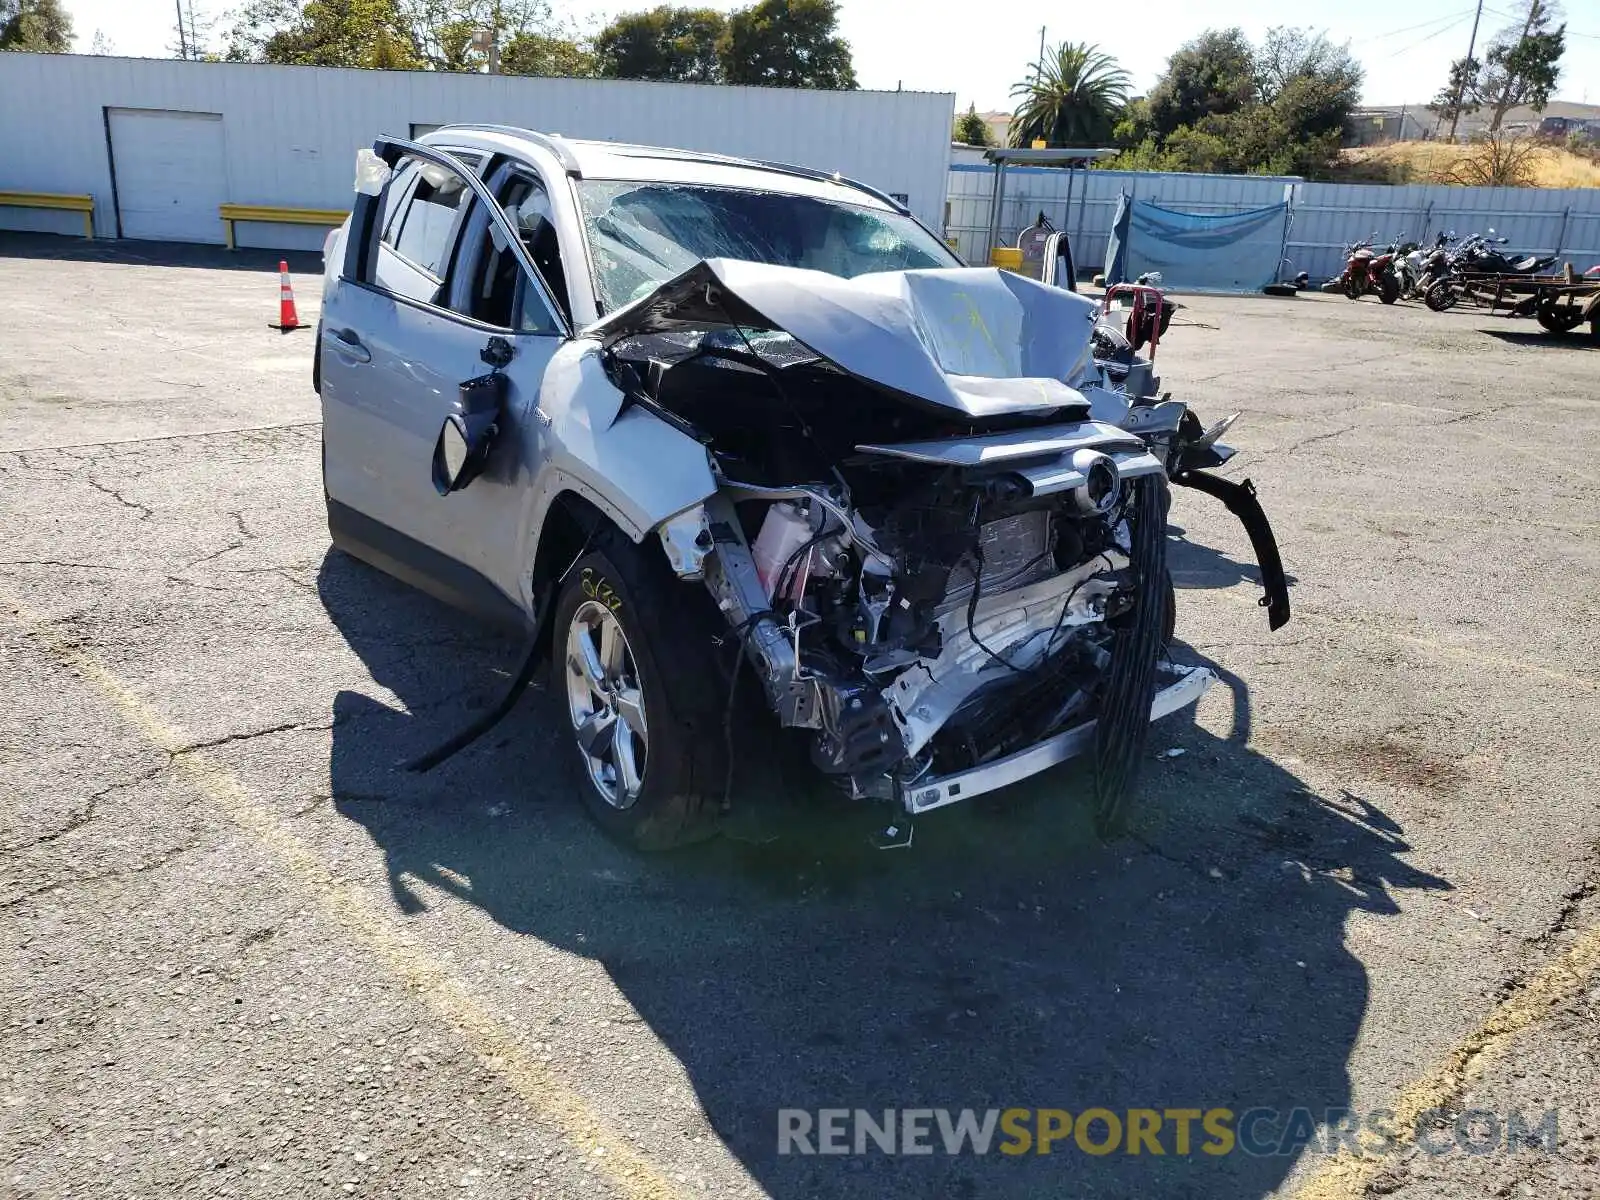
[421, 211]
[430, 218]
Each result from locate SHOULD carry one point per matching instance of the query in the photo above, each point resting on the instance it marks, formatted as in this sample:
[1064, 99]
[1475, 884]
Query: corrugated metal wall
[1329, 216]
[291, 133]
[1324, 217]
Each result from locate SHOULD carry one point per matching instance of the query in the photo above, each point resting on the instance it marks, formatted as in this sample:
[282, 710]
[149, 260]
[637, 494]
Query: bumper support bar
[926, 794]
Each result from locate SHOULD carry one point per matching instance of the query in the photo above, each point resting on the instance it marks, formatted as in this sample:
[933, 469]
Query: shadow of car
[1009, 958]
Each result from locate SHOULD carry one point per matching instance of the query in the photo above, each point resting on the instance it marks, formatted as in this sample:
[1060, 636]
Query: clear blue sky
[978, 49]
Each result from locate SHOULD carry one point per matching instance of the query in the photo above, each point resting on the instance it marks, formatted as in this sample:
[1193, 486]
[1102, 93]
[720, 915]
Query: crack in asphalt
[83, 816]
[1316, 437]
[214, 554]
[1528, 1001]
[228, 739]
[145, 513]
[164, 858]
[55, 562]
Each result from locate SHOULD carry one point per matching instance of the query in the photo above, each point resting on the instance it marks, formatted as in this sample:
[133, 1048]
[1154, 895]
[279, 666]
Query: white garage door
[171, 174]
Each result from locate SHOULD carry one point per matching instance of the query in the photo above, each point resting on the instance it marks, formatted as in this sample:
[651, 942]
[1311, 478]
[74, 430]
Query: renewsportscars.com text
[1156, 1131]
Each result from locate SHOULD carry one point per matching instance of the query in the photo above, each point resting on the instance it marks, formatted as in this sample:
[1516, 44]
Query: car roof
[589, 159]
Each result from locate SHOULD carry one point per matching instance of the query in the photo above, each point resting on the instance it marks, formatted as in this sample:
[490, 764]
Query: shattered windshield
[643, 234]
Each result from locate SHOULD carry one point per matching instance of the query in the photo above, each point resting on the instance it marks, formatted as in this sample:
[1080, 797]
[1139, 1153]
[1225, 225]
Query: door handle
[348, 343]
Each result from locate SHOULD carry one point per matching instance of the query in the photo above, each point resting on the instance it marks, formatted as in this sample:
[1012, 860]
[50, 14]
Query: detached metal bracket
[1240, 500]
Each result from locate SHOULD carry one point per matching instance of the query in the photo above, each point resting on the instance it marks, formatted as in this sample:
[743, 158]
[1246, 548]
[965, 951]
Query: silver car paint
[627, 462]
[975, 340]
[384, 402]
[943, 336]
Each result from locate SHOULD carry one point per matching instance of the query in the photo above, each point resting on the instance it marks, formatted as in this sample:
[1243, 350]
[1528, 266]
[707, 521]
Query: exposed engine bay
[949, 569]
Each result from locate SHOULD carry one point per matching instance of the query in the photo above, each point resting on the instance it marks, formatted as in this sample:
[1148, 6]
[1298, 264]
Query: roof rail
[569, 162]
[557, 146]
[831, 177]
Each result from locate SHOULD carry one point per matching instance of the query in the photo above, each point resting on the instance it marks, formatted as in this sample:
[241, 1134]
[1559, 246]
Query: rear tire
[1128, 687]
[662, 696]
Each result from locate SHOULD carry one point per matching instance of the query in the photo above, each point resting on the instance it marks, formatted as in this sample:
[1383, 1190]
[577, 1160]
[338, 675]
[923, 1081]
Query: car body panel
[391, 369]
[974, 340]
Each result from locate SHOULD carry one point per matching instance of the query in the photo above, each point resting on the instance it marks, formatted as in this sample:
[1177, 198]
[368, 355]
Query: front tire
[633, 663]
[1128, 686]
[1388, 289]
[1442, 296]
[1355, 285]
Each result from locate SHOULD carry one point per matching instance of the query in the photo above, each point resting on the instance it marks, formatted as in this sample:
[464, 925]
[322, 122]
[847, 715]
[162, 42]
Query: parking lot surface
[250, 957]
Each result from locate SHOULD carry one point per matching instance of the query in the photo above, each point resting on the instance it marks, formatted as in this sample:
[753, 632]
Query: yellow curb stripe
[1346, 1175]
[496, 1045]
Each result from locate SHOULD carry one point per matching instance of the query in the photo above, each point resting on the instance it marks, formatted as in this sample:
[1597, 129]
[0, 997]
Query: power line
[1378, 37]
[1461, 20]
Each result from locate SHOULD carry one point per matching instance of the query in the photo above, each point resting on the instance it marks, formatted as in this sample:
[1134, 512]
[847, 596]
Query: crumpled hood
[977, 340]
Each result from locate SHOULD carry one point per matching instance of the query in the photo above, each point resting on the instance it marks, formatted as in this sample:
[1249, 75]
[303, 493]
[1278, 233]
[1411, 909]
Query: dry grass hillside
[1510, 161]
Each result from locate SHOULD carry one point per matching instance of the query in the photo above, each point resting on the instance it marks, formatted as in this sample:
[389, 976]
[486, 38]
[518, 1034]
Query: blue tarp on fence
[1196, 252]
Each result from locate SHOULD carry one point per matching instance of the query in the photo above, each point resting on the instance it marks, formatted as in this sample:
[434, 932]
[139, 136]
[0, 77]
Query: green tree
[662, 43]
[1462, 94]
[256, 23]
[1074, 98]
[441, 29]
[787, 43]
[1524, 61]
[971, 129]
[547, 54]
[1312, 84]
[1287, 55]
[42, 26]
[1212, 75]
[405, 35]
[346, 33]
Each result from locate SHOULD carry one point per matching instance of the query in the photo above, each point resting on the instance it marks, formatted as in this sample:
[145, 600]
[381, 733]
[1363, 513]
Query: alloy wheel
[606, 703]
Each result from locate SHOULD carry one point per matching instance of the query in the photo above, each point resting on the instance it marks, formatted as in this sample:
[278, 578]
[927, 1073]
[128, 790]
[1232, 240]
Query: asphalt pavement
[251, 957]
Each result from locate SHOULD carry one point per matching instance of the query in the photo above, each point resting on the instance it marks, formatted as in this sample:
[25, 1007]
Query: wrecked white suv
[684, 418]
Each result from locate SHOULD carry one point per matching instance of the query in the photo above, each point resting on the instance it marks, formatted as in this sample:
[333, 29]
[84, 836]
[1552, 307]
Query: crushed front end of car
[939, 531]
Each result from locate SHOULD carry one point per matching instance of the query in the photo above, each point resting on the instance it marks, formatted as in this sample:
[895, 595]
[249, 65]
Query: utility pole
[1461, 84]
[183, 42]
[1039, 70]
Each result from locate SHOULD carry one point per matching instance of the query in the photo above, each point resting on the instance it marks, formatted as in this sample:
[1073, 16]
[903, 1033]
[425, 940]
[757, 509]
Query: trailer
[1560, 303]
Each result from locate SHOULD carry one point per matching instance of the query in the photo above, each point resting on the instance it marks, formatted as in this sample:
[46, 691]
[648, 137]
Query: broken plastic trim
[1240, 500]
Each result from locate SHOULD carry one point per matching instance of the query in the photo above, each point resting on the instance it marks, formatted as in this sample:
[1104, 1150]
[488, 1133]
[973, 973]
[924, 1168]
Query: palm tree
[1073, 98]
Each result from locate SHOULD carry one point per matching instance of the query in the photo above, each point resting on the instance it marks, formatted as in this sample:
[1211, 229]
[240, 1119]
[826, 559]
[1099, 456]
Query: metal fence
[1322, 218]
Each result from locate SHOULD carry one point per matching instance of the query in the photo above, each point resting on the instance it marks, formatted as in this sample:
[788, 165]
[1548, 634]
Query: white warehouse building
[161, 144]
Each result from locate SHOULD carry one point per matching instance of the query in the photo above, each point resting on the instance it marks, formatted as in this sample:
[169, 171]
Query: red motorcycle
[1365, 271]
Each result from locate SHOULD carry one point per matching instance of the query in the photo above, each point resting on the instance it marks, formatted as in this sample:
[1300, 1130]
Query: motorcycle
[1434, 262]
[1366, 270]
[1413, 261]
[1476, 256]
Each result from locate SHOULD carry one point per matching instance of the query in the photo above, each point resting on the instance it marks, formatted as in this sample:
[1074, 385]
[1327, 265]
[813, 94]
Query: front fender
[630, 464]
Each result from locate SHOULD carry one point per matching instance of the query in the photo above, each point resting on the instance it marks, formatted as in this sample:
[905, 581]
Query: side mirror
[467, 434]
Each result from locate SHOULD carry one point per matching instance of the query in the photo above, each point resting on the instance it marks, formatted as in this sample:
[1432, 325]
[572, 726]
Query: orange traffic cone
[288, 319]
